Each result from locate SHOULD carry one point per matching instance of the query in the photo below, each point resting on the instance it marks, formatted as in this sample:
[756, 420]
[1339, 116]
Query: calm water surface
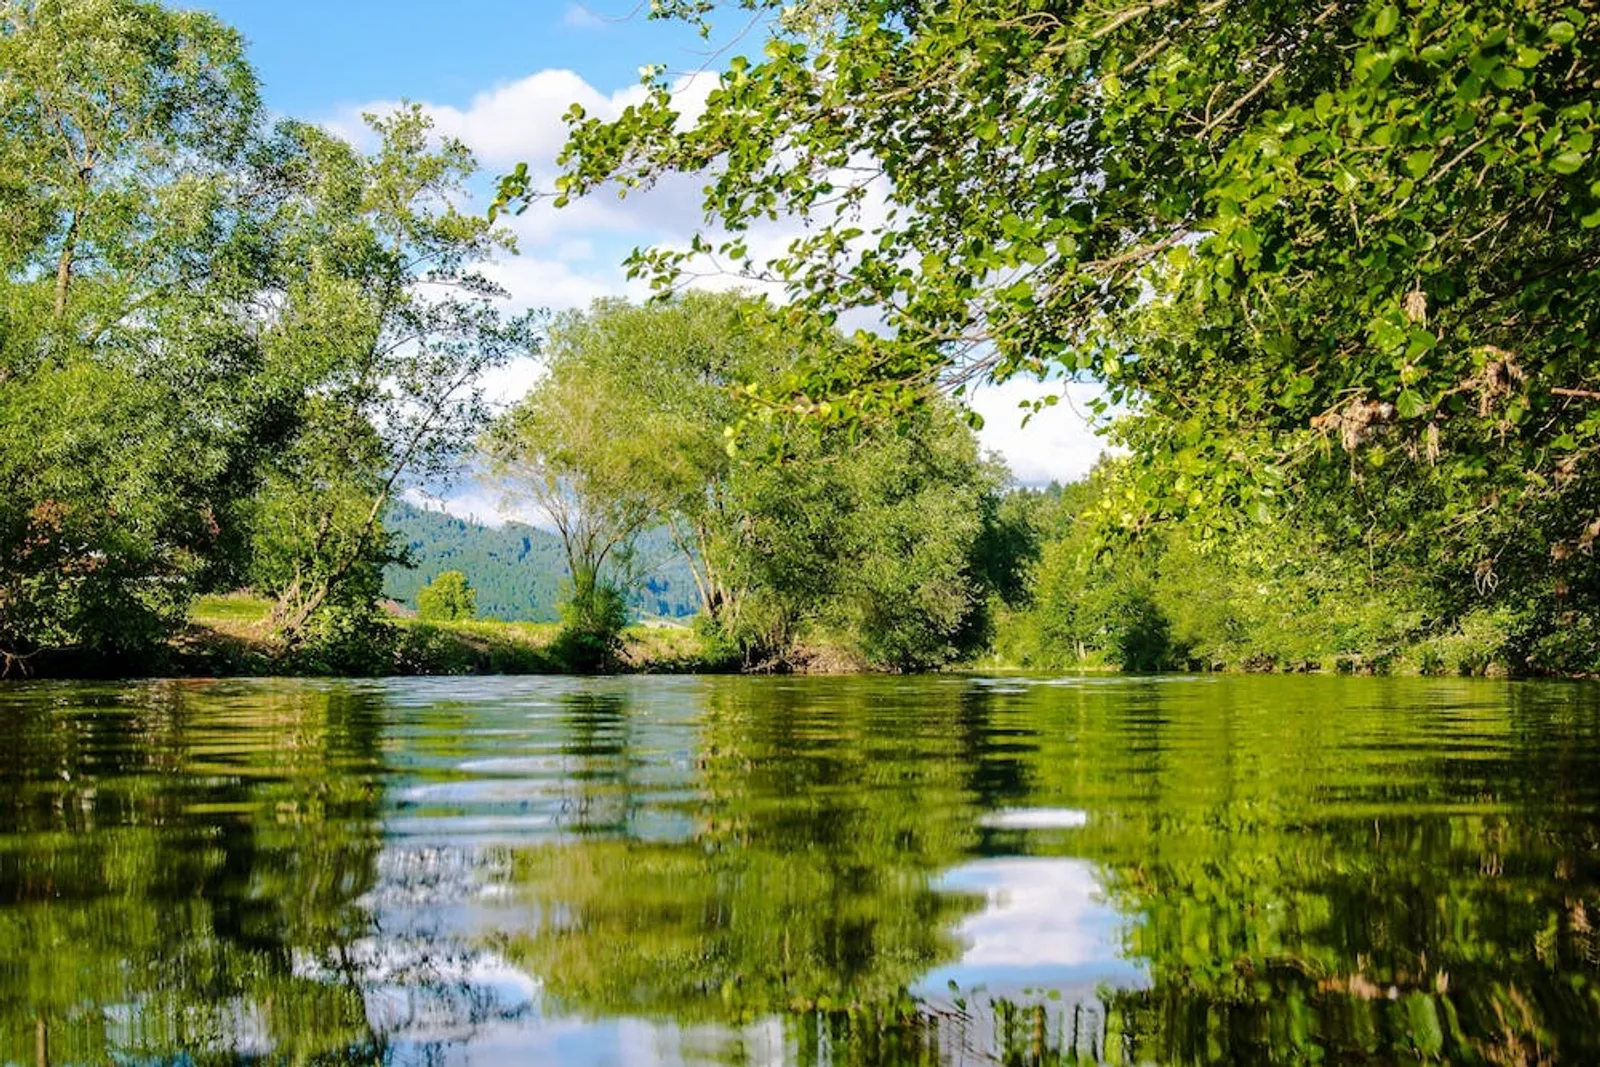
[803, 871]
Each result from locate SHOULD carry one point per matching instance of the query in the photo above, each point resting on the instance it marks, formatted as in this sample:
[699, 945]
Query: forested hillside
[518, 570]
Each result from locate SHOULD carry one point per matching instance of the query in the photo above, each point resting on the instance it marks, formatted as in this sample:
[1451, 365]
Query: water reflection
[163, 865]
[813, 871]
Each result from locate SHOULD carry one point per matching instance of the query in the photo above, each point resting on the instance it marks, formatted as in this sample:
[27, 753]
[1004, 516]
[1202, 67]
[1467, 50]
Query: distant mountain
[519, 570]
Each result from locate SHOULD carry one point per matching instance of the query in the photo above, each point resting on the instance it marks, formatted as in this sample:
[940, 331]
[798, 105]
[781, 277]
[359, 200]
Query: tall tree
[871, 538]
[383, 326]
[123, 352]
[574, 449]
[640, 396]
[113, 110]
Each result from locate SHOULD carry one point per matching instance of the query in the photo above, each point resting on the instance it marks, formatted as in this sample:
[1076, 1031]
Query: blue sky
[316, 56]
[499, 74]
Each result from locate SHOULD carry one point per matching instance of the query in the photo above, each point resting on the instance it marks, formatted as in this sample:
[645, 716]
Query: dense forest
[1335, 266]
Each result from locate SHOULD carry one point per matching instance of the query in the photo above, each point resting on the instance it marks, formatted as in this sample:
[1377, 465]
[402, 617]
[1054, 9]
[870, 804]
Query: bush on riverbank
[1263, 597]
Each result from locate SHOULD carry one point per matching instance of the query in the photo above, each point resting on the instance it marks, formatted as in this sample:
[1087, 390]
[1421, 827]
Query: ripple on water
[638, 870]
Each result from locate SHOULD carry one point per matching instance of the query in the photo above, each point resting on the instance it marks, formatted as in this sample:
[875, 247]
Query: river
[661, 870]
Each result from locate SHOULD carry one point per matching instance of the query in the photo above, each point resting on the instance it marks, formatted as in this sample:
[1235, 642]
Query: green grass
[481, 647]
[230, 609]
[228, 635]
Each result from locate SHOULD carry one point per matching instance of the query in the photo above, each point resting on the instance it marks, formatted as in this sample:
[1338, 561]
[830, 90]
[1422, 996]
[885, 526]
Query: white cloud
[557, 283]
[479, 500]
[511, 123]
[575, 250]
[1057, 444]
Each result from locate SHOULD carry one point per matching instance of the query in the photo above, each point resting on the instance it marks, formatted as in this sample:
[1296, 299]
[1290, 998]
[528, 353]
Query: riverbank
[227, 636]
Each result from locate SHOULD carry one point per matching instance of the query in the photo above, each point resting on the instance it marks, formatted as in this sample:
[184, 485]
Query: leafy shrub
[719, 649]
[448, 598]
[592, 620]
[347, 638]
[1481, 642]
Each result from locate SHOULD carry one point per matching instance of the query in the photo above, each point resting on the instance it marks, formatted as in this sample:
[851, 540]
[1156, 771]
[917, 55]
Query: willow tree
[1332, 252]
[575, 450]
[383, 326]
[627, 428]
[869, 539]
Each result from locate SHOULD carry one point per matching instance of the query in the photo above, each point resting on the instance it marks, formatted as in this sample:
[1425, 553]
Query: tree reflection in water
[810, 871]
[170, 853]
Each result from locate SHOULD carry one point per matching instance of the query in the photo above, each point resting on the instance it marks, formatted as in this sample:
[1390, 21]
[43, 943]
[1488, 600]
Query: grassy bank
[229, 635]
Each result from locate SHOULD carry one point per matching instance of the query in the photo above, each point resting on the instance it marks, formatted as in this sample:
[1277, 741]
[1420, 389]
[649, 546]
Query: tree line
[1335, 262]
[228, 344]
[225, 343]
[806, 539]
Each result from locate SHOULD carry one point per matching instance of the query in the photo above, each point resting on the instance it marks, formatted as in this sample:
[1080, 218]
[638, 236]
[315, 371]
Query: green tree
[124, 348]
[584, 463]
[1339, 257]
[869, 539]
[383, 371]
[116, 112]
[642, 395]
[1264, 596]
[448, 598]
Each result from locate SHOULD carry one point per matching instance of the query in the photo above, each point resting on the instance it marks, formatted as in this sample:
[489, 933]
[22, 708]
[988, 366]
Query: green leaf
[1508, 77]
[1528, 57]
[1386, 21]
[1418, 163]
[1409, 404]
[1567, 163]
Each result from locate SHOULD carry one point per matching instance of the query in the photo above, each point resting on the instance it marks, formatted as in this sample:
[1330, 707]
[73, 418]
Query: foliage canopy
[825, 533]
[217, 363]
[448, 598]
[1335, 255]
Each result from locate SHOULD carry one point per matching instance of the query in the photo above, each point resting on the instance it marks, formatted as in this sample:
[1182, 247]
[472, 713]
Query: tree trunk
[64, 268]
[293, 610]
